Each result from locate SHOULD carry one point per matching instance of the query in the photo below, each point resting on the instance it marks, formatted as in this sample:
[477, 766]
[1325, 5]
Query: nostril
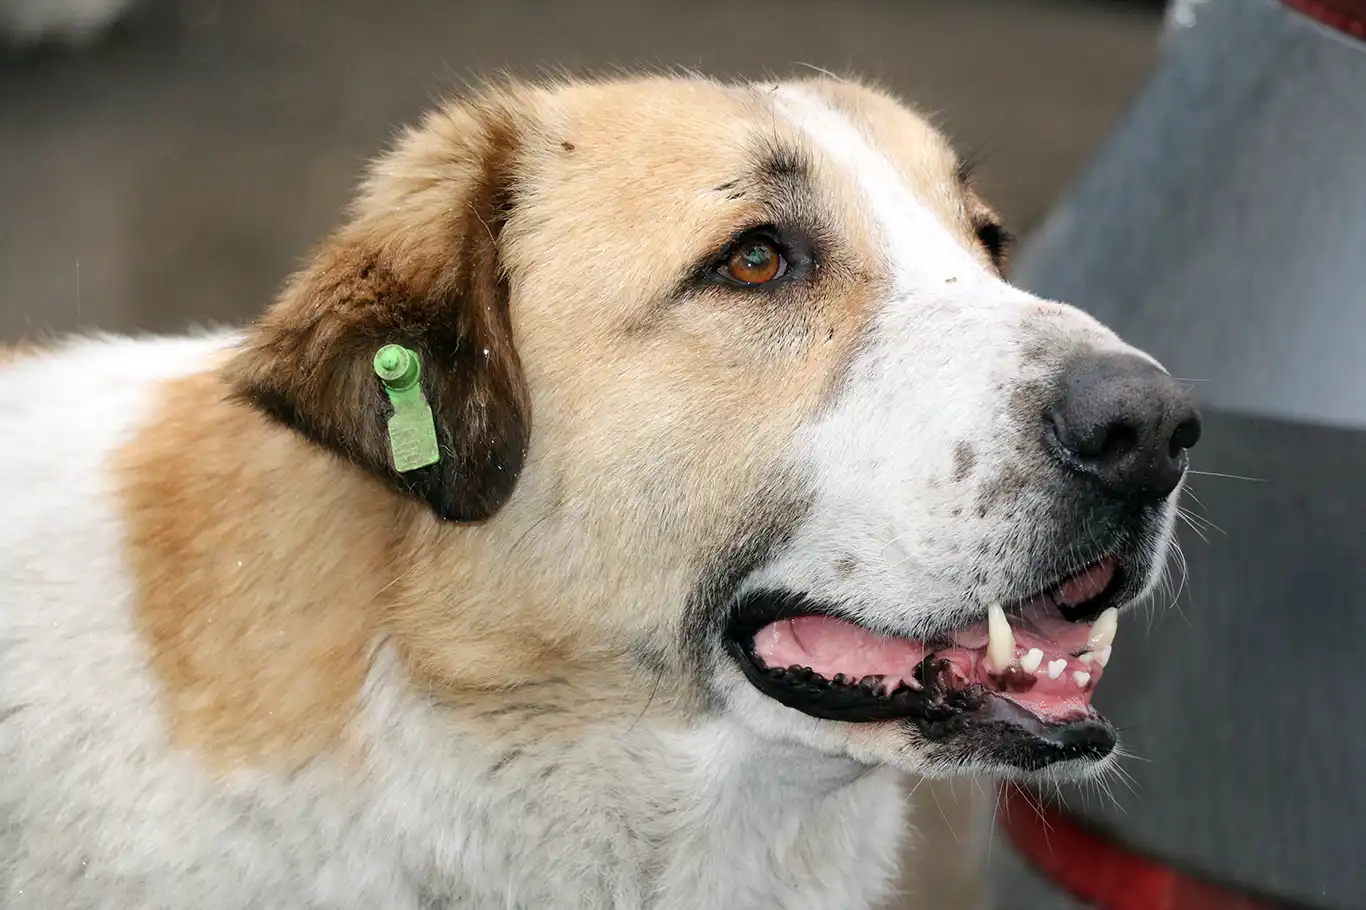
[1124, 422]
[1119, 440]
[1187, 434]
[1103, 442]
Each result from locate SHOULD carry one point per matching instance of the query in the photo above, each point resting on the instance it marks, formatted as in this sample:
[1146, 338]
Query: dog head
[734, 402]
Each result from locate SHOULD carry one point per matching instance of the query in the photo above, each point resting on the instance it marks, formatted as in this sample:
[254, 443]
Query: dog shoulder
[152, 711]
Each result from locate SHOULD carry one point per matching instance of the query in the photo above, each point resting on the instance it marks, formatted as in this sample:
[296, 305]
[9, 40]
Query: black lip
[1016, 737]
[816, 696]
[830, 699]
[991, 726]
[753, 610]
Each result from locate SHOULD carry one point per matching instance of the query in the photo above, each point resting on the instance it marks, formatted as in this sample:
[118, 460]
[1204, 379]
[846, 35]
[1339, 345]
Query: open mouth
[1029, 668]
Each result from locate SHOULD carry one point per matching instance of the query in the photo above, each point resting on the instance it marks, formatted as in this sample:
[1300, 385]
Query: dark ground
[175, 173]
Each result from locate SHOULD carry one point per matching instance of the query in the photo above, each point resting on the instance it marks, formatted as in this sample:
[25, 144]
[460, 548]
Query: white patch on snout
[921, 252]
[934, 376]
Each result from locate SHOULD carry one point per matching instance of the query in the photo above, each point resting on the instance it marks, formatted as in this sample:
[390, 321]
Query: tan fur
[535, 612]
[579, 552]
[268, 571]
[258, 559]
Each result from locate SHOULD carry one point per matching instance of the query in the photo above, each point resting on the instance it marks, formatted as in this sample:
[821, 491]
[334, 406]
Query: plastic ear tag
[412, 430]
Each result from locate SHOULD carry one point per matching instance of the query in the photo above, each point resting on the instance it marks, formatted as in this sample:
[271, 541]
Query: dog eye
[756, 259]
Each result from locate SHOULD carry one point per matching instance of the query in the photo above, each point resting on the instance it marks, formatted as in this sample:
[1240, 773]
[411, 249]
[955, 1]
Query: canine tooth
[1103, 631]
[1000, 640]
[1081, 677]
[1056, 667]
[1030, 662]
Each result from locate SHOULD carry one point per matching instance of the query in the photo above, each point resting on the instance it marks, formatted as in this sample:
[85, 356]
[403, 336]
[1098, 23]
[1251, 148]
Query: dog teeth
[1000, 640]
[1030, 662]
[1056, 667]
[1103, 630]
[1081, 678]
[1101, 657]
[890, 685]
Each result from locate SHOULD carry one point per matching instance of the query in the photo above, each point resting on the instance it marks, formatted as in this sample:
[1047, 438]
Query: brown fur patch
[256, 558]
[268, 568]
[417, 266]
[267, 571]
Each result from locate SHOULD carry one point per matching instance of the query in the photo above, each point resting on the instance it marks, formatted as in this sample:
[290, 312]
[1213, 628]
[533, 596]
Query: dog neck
[635, 810]
[495, 752]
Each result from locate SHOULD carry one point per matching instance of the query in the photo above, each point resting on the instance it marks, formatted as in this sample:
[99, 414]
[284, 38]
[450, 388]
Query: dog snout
[1125, 422]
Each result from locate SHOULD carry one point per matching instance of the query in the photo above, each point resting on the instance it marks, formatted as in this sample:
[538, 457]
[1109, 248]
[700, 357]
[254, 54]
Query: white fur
[97, 811]
[941, 358]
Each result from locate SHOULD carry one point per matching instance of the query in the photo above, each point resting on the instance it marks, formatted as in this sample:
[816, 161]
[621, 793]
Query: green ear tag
[412, 431]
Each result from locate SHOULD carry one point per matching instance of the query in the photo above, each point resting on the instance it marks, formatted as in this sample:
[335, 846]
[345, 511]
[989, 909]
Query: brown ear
[418, 266]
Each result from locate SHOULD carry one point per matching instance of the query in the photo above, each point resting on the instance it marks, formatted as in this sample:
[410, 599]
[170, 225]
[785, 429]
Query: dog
[647, 474]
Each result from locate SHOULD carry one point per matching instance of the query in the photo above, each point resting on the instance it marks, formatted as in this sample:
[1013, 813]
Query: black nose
[1126, 423]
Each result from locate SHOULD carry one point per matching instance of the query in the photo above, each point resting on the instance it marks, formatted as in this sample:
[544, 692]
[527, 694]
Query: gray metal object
[1223, 228]
[1225, 221]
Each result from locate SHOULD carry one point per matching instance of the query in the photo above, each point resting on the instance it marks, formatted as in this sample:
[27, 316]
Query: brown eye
[755, 261]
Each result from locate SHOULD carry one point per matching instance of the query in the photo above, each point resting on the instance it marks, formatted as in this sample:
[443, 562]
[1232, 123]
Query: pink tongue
[1086, 584]
[834, 647]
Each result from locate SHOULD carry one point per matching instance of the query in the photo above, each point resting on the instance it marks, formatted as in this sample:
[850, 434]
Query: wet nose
[1125, 422]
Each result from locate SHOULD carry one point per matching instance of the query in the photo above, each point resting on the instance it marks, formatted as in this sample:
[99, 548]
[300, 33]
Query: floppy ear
[418, 265]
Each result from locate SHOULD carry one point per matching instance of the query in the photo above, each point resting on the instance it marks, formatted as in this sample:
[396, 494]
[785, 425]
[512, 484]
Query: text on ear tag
[412, 430]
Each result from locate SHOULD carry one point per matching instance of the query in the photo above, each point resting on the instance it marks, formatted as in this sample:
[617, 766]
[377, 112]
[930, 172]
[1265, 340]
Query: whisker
[1226, 476]
[1190, 494]
[945, 816]
[1204, 520]
[1190, 523]
[1180, 557]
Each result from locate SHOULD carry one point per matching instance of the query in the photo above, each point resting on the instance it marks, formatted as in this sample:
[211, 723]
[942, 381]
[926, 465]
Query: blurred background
[172, 169]
[177, 167]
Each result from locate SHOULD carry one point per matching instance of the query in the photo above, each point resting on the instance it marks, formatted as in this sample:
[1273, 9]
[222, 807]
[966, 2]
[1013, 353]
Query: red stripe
[1344, 15]
[1097, 872]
